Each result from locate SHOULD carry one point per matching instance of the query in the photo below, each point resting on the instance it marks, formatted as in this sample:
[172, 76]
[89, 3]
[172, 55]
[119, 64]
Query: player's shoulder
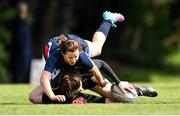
[83, 54]
[55, 54]
[54, 38]
[85, 58]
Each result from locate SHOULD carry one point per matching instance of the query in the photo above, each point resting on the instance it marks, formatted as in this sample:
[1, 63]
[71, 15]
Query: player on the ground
[70, 85]
[70, 58]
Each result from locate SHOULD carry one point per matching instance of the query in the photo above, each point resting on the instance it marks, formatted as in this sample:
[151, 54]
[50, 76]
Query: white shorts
[91, 48]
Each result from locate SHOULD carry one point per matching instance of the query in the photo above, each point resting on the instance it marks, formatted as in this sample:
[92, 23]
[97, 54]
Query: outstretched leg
[101, 34]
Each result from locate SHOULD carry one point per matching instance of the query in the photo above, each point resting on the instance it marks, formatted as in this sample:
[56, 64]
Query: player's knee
[98, 53]
[32, 98]
[94, 54]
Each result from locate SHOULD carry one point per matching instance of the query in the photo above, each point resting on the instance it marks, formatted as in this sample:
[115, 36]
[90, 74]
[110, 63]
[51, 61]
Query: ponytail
[62, 38]
[70, 83]
[67, 85]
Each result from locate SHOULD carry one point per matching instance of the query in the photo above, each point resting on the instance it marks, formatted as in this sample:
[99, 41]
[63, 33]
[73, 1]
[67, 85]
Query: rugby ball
[119, 96]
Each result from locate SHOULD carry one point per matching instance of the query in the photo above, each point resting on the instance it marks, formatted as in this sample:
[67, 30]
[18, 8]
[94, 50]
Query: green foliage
[144, 38]
[5, 39]
[4, 55]
[134, 74]
[147, 25]
[173, 59]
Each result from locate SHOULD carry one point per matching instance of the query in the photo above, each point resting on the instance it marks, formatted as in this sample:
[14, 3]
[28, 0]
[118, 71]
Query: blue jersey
[56, 61]
[53, 45]
[56, 66]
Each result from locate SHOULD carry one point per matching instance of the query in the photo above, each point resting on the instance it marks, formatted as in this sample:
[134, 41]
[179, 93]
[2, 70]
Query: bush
[5, 35]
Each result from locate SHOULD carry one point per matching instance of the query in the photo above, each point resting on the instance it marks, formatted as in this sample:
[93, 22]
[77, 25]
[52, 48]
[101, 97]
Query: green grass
[13, 100]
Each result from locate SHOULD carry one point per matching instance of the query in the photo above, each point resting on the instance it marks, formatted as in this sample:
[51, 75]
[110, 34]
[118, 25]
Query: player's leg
[106, 69]
[90, 82]
[105, 91]
[101, 34]
[36, 95]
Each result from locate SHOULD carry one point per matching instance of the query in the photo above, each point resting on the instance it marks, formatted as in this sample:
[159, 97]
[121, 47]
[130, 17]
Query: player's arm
[50, 66]
[106, 69]
[95, 71]
[44, 80]
[45, 83]
[88, 64]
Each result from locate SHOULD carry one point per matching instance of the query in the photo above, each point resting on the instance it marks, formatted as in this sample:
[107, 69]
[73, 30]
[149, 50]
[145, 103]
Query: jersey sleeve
[53, 45]
[86, 61]
[53, 61]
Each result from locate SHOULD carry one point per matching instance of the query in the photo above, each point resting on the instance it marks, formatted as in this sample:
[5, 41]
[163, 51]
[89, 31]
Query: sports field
[13, 100]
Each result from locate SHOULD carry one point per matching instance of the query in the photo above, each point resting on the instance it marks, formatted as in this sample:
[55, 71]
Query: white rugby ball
[119, 96]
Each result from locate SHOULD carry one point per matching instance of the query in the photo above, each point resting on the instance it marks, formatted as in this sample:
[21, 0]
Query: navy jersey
[53, 45]
[56, 66]
[56, 61]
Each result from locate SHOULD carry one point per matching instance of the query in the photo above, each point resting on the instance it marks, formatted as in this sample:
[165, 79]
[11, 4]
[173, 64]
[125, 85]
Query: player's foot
[114, 17]
[146, 91]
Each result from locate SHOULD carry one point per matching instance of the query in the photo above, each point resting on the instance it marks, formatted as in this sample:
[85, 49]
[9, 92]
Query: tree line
[149, 33]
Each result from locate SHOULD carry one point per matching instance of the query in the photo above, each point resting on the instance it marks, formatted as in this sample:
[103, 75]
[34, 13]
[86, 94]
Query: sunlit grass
[14, 100]
[14, 97]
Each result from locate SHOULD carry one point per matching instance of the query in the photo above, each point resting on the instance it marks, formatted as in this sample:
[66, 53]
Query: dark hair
[61, 39]
[69, 45]
[70, 82]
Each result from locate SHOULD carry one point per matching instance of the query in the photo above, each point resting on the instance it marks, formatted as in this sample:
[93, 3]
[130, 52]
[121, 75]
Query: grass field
[13, 100]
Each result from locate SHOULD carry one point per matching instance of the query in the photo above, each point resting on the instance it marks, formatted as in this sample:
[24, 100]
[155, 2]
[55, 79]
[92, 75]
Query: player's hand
[124, 85]
[58, 98]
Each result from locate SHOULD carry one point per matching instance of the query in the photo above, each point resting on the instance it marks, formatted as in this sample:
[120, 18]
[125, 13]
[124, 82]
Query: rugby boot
[146, 91]
[113, 17]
